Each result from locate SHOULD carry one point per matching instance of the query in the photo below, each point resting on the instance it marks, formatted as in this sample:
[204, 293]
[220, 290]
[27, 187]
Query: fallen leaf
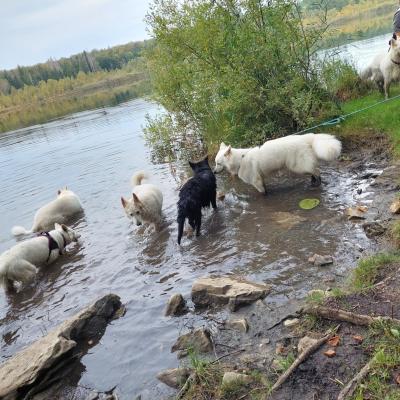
[309, 204]
[356, 212]
[334, 341]
[330, 353]
[358, 338]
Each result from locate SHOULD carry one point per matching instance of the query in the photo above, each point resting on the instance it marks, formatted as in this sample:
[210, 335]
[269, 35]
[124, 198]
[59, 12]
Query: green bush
[237, 70]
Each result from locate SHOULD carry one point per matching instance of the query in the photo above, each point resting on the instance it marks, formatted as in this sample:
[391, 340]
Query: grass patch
[380, 119]
[395, 232]
[365, 274]
[380, 383]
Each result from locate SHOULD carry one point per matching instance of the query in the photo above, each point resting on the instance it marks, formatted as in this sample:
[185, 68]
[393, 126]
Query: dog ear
[136, 199]
[57, 226]
[228, 151]
[58, 191]
[222, 145]
[64, 228]
[124, 202]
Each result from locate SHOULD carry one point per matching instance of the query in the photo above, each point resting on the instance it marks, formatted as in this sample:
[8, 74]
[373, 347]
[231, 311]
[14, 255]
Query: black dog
[196, 193]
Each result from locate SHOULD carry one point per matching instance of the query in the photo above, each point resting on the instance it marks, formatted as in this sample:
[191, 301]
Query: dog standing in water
[21, 262]
[61, 210]
[297, 153]
[198, 192]
[145, 206]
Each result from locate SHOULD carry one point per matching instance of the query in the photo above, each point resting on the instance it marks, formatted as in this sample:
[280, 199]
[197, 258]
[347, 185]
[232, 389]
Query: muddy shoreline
[268, 339]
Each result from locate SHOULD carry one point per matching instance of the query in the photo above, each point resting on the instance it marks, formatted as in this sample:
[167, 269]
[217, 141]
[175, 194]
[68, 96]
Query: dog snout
[138, 223]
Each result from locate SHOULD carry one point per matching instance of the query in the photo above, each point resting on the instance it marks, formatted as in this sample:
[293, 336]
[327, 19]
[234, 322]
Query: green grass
[365, 274]
[395, 232]
[380, 383]
[381, 119]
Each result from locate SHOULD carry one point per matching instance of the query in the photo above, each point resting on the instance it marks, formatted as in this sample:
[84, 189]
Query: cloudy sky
[32, 31]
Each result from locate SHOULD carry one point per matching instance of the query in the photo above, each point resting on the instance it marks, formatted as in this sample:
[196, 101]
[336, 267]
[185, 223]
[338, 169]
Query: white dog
[145, 206]
[299, 154]
[385, 68]
[60, 210]
[19, 264]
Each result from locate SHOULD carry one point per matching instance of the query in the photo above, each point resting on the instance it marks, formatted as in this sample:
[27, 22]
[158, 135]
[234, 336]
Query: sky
[32, 31]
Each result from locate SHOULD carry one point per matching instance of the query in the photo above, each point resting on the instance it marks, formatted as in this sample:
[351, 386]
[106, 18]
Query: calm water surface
[95, 153]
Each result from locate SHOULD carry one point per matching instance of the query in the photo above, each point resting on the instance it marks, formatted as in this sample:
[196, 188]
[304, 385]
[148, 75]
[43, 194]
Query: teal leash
[342, 118]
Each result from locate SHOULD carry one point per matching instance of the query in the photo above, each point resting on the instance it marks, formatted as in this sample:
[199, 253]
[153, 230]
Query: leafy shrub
[237, 70]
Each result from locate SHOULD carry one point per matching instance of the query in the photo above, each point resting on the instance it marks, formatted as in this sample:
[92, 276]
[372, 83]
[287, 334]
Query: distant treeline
[329, 4]
[87, 62]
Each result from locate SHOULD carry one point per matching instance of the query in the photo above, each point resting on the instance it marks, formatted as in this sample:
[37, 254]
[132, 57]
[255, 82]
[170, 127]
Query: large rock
[198, 340]
[30, 370]
[174, 377]
[238, 324]
[373, 229]
[176, 305]
[227, 290]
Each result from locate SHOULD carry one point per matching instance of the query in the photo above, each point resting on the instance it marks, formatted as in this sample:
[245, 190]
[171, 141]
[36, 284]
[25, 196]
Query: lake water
[264, 238]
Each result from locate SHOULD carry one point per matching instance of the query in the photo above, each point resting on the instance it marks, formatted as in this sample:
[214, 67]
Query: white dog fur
[296, 153]
[145, 206]
[60, 210]
[21, 262]
[385, 68]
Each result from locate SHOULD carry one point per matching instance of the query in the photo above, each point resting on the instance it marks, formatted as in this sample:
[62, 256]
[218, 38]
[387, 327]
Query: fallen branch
[192, 379]
[303, 356]
[346, 316]
[227, 355]
[348, 391]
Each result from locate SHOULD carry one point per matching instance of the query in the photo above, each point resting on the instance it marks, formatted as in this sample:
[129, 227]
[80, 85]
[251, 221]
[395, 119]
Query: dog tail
[326, 147]
[20, 230]
[138, 177]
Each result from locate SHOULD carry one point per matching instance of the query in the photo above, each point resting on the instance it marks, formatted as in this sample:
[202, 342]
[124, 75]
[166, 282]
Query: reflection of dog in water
[145, 206]
[297, 153]
[198, 192]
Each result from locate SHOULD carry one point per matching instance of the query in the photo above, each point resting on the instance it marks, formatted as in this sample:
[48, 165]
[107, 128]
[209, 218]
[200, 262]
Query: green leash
[342, 118]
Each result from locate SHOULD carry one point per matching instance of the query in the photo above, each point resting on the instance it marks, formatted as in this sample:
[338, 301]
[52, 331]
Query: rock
[238, 324]
[286, 219]
[230, 378]
[373, 229]
[280, 349]
[227, 290]
[174, 377]
[199, 340]
[31, 369]
[176, 305]
[357, 212]
[289, 323]
[395, 207]
[305, 343]
[320, 261]
[93, 396]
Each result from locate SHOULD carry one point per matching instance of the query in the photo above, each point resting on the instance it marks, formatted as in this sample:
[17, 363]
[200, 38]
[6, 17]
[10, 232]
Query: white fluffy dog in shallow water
[296, 153]
[145, 206]
[19, 264]
[60, 210]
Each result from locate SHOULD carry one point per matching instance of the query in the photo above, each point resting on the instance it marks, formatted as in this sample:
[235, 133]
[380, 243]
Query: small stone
[230, 378]
[373, 229]
[330, 353]
[174, 377]
[90, 342]
[320, 261]
[238, 324]
[305, 343]
[199, 340]
[176, 305]
[395, 207]
[290, 323]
